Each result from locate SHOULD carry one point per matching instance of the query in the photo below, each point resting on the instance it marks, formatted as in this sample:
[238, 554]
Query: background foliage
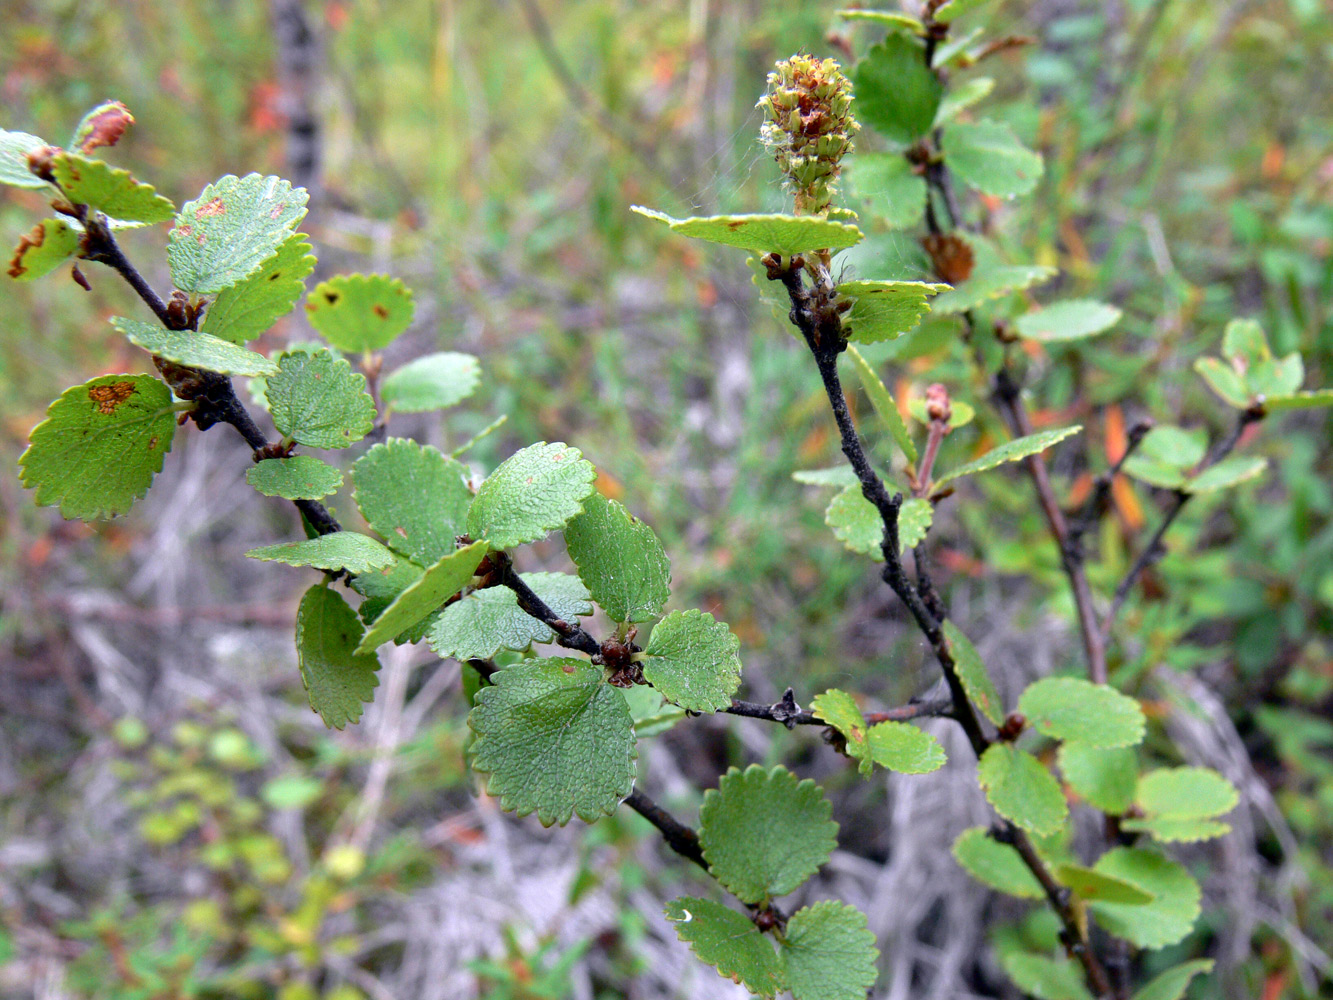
[168, 801]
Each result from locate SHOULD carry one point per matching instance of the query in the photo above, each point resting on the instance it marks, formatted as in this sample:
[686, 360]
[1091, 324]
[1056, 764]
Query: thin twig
[1099, 499]
[679, 837]
[568, 634]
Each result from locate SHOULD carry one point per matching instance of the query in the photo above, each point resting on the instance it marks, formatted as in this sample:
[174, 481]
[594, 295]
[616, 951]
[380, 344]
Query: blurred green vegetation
[1189, 180]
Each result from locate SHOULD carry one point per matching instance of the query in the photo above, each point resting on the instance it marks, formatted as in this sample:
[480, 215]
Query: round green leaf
[248, 308]
[1105, 779]
[914, 520]
[888, 186]
[1171, 984]
[14, 150]
[414, 496]
[902, 747]
[433, 382]
[1045, 978]
[1224, 381]
[620, 559]
[1231, 471]
[360, 312]
[987, 155]
[299, 477]
[897, 93]
[100, 445]
[693, 660]
[194, 349]
[1021, 789]
[1185, 793]
[337, 550]
[829, 953]
[972, 674]
[730, 942]
[1245, 344]
[1171, 914]
[486, 621]
[856, 522]
[555, 739]
[427, 595]
[884, 310]
[235, 225]
[764, 833]
[113, 192]
[990, 283]
[962, 97]
[1070, 708]
[43, 249]
[1071, 319]
[994, 864]
[780, 234]
[318, 400]
[532, 493]
[337, 678]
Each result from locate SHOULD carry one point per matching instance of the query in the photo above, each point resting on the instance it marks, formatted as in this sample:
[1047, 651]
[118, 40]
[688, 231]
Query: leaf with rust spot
[102, 126]
[360, 312]
[100, 445]
[50, 243]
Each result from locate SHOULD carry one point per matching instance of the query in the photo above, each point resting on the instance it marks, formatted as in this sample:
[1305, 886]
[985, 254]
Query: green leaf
[1171, 984]
[1070, 708]
[1276, 377]
[1177, 831]
[433, 382]
[1045, 978]
[300, 477]
[337, 550]
[100, 445]
[892, 18]
[987, 155]
[895, 745]
[43, 249]
[1012, 451]
[1224, 381]
[1090, 884]
[897, 94]
[1185, 793]
[1175, 446]
[694, 661]
[1300, 400]
[382, 587]
[972, 674]
[883, 310]
[829, 953]
[1021, 789]
[963, 97]
[197, 350]
[956, 8]
[764, 833]
[424, 597]
[248, 308]
[728, 941]
[555, 739]
[360, 312]
[1231, 471]
[856, 522]
[1168, 918]
[1245, 345]
[994, 864]
[336, 678]
[227, 233]
[652, 713]
[780, 234]
[914, 520]
[990, 283]
[113, 192]
[1071, 319]
[318, 400]
[620, 559]
[1105, 779]
[413, 496]
[888, 186]
[838, 475]
[533, 492]
[882, 401]
[14, 150]
[484, 622]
